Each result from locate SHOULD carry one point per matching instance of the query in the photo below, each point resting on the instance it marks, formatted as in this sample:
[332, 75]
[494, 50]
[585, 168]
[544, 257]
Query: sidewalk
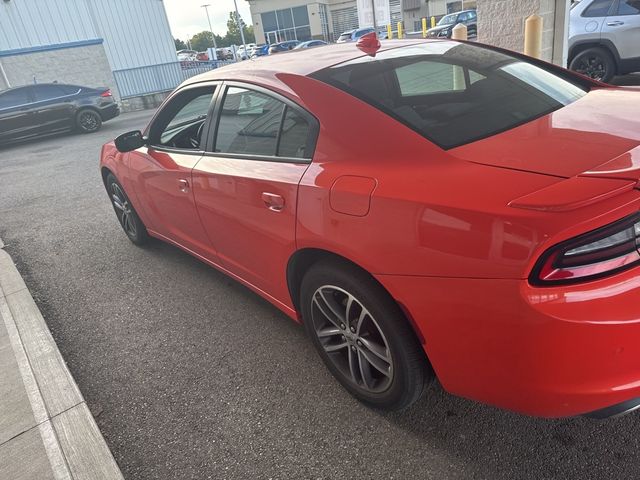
[46, 429]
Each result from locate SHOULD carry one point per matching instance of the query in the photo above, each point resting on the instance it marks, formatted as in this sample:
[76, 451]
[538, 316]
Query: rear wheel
[362, 336]
[127, 216]
[595, 63]
[88, 121]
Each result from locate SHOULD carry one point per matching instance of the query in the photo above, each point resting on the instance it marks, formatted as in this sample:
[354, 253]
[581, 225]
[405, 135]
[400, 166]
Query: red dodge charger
[425, 209]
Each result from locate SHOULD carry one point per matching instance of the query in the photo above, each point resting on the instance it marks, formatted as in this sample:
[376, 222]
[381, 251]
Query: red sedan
[432, 208]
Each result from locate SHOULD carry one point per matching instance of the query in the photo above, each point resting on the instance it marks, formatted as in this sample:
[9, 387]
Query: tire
[88, 121]
[596, 63]
[382, 328]
[127, 216]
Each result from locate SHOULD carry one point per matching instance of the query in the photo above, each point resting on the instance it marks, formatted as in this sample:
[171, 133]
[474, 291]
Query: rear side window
[48, 92]
[599, 8]
[14, 98]
[629, 7]
[452, 93]
[254, 123]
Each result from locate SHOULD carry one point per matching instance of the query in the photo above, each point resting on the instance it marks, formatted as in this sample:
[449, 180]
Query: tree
[180, 45]
[233, 31]
[201, 41]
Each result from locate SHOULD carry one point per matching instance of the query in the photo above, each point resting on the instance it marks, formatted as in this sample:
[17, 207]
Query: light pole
[239, 22]
[213, 37]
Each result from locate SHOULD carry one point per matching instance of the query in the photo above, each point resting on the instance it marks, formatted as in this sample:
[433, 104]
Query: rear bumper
[110, 111]
[550, 352]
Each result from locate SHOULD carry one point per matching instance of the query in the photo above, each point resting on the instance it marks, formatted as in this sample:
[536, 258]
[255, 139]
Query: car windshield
[448, 19]
[345, 36]
[453, 93]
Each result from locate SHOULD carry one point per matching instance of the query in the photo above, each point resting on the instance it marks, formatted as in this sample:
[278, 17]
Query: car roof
[296, 62]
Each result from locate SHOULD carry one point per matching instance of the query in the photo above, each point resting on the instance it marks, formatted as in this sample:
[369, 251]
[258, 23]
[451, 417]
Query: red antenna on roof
[369, 44]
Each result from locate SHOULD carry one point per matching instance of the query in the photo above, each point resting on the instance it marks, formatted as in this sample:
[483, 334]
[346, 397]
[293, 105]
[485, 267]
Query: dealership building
[125, 45]
[279, 20]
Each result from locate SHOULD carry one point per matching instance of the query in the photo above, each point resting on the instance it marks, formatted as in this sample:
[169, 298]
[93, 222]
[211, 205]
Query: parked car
[444, 27]
[187, 55]
[36, 110]
[283, 46]
[202, 57]
[224, 53]
[310, 44]
[353, 35]
[604, 38]
[242, 54]
[261, 51]
[494, 243]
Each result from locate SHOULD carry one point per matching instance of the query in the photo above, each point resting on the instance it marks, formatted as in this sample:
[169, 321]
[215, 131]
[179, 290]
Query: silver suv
[604, 38]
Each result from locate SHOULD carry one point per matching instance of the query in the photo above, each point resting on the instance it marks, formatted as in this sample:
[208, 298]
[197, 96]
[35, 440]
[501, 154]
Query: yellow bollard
[459, 32]
[389, 32]
[433, 22]
[424, 28]
[399, 29]
[533, 36]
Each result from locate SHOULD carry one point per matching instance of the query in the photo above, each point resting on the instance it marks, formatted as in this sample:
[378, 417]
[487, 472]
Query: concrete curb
[68, 434]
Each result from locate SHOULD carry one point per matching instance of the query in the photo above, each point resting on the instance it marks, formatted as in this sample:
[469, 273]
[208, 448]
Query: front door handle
[615, 23]
[273, 202]
[183, 185]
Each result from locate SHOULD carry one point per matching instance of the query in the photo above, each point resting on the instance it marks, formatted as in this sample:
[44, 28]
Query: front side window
[451, 93]
[599, 8]
[181, 122]
[253, 123]
[14, 98]
[448, 19]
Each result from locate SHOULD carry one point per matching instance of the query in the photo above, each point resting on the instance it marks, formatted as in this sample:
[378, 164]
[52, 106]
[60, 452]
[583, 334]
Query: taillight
[602, 252]
[106, 93]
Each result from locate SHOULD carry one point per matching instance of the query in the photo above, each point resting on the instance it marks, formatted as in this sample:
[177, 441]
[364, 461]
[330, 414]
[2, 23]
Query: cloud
[187, 17]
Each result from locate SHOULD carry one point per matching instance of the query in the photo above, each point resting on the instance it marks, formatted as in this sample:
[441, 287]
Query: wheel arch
[303, 259]
[604, 43]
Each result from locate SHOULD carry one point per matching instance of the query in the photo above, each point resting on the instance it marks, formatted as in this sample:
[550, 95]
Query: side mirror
[130, 141]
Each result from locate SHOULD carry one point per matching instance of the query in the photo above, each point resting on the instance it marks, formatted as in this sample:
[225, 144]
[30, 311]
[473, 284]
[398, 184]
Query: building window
[286, 24]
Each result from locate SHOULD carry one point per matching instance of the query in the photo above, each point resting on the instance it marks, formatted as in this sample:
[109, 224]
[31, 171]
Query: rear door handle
[273, 201]
[615, 23]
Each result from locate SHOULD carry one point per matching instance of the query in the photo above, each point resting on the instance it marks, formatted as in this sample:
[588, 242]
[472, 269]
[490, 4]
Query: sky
[187, 17]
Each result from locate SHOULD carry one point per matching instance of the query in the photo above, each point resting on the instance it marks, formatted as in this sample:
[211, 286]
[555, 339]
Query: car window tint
[629, 7]
[14, 98]
[435, 100]
[249, 123]
[180, 122]
[294, 136]
[599, 8]
[48, 92]
[422, 78]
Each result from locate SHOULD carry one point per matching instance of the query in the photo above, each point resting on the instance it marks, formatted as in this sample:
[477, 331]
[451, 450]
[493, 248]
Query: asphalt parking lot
[192, 376]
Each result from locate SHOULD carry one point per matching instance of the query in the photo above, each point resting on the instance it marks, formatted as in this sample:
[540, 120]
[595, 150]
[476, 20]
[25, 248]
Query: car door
[17, 117]
[53, 106]
[246, 188]
[587, 21]
[161, 171]
[622, 27]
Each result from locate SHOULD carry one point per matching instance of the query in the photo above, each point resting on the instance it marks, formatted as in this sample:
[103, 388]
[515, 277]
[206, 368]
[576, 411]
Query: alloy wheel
[593, 66]
[88, 121]
[352, 339]
[123, 210]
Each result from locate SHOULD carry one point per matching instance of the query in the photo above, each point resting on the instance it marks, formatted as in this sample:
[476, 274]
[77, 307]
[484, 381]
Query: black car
[443, 29]
[45, 108]
[283, 46]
